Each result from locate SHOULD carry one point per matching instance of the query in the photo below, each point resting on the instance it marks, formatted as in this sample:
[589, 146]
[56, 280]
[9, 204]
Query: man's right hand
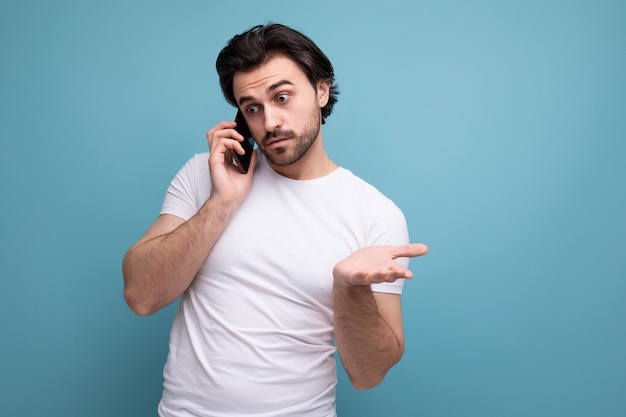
[163, 263]
[228, 184]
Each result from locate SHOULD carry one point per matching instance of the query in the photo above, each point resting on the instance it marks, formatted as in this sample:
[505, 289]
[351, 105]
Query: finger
[223, 142]
[410, 250]
[222, 130]
[221, 126]
[224, 134]
[401, 272]
[393, 272]
[238, 147]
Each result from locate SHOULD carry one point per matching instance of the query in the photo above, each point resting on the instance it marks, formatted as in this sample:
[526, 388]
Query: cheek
[256, 129]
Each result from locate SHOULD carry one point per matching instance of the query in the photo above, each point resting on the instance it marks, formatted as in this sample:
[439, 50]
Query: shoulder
[365, 192]
[195, 166]
[189, 188]
[199, 160]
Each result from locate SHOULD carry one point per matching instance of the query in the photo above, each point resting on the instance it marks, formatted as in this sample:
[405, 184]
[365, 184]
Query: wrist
[218, 207]
[347, 287]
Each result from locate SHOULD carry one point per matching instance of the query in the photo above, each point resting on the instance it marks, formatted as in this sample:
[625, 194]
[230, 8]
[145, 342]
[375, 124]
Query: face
[282, 109]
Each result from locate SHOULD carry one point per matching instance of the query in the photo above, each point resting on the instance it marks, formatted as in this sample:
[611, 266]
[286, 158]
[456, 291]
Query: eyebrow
[271, 88]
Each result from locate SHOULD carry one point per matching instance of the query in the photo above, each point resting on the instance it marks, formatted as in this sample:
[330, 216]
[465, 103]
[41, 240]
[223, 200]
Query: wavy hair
[254, 47]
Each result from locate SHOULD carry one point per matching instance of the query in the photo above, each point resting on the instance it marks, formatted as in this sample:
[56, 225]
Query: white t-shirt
[253, 334]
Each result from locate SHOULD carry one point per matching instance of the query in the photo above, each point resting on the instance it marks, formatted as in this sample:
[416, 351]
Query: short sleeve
[189, 189]
[390, 228]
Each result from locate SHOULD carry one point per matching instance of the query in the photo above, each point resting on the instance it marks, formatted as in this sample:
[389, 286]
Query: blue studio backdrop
[498, 127]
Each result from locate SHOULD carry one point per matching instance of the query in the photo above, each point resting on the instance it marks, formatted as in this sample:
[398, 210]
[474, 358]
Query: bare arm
[368, 326]
[163, 263]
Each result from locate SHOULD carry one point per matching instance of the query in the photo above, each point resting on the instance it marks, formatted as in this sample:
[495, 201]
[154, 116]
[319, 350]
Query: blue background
[498, 127]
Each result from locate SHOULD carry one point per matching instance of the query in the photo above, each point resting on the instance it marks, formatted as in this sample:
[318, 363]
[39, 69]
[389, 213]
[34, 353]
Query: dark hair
[257, 45]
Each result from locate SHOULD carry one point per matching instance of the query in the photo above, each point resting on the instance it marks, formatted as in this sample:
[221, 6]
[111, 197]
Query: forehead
[260, 79]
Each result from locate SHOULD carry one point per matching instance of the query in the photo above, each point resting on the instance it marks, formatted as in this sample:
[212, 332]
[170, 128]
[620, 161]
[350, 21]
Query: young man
[275, 265]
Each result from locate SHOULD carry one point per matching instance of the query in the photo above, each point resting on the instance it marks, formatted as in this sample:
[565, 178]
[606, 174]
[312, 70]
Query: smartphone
[242, 162]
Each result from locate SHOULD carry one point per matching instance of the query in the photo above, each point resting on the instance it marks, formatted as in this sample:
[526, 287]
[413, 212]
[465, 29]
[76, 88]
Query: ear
[323, 92]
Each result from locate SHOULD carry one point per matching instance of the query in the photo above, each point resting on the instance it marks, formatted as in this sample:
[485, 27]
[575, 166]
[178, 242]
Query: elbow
[141, 301]
[134, 297]
[371, 375]
[365, 383]
[137, 305]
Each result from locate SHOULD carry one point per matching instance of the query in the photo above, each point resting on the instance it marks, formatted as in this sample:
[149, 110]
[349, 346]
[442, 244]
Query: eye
[252, 109]
[282, 98]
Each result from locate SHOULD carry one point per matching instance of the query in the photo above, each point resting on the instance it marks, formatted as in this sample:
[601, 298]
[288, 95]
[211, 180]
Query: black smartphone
[242, 162]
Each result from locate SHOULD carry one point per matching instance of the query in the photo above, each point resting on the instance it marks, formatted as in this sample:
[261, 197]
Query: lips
[277, 136]
[275, 141]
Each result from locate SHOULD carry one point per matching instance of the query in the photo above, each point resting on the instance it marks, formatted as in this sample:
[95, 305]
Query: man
[276, 264]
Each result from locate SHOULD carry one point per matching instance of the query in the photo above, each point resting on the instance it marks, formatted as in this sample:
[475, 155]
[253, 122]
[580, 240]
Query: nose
[271, 119]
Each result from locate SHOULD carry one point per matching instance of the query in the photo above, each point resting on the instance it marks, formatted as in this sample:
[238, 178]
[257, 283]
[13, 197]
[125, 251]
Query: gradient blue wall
[498, 127]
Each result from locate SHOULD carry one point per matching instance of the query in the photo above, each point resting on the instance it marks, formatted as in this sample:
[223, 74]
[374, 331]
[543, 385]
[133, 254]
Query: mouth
[277, 141]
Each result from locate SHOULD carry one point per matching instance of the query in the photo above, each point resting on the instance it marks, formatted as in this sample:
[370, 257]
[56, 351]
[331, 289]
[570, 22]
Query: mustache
[278, 132]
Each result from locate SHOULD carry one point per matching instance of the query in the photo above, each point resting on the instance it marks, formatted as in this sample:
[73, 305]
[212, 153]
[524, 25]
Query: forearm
[367, 345]
[158, 270]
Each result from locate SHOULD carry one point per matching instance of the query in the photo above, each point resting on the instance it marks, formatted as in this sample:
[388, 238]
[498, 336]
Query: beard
[286, 155]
